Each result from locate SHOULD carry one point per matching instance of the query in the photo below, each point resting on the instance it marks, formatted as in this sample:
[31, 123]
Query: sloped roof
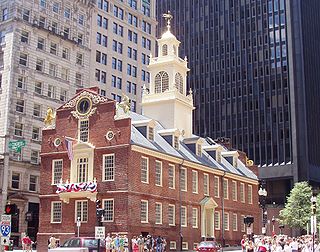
[161, 145]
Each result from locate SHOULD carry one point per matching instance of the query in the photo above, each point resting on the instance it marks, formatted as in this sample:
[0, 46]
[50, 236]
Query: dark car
[208, 246]
[88, 242]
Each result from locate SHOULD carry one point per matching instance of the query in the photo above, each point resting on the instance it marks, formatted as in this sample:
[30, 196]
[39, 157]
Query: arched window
[179, 82]
[164, 50]
[161, 82]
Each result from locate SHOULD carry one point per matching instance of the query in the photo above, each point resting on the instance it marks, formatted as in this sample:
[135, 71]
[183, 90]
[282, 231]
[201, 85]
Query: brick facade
[127, 190]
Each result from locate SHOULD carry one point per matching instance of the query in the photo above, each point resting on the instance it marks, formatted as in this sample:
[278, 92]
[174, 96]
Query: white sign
[5, 241]
[249, 230]
[5, 225]
[263, 230]
[100, 233]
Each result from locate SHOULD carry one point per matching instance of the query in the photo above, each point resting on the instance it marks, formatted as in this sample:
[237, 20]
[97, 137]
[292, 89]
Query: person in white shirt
[294, 245]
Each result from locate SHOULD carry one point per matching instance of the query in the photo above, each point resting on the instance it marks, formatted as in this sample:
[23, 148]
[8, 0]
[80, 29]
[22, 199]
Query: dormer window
[199, 150]
[171, 136]
[151, 133]
[84, 130]
[176, 142]
[164, 50]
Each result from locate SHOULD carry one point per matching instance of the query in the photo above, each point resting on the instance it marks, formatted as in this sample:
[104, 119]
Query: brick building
[151, 173]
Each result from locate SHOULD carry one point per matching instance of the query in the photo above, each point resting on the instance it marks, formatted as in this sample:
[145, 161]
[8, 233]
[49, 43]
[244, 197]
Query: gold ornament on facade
[50, 118]
[249, 162]
[124, 104]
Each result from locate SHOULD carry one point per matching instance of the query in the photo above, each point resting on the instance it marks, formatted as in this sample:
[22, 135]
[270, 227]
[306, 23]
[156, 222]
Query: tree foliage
[297, 210]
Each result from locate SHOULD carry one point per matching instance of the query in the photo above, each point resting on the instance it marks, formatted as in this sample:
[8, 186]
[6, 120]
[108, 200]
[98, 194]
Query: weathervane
[168, 17]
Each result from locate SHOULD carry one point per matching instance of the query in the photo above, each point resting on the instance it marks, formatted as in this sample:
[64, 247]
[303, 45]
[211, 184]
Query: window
[250, 194]
[79, 81]
[23, 59]
[20, 106]
[35, 133]
[56, 212]
[183, 179]
[217, 220]
[172, 215]
[21, 82]
[81, 210]
[243, 225]
[195, 217]
[15, 180]
[57, 166]
[37, 110]
[226, 221]
[234, 190]
[158, 213]
[171, 179]
[176, 142]
[144, 170]
[33, 183]
[41, 43]
[40, 65]
[43, 3]
[34, 159]
[65, 53]
[108, 167]
[51, 91]
[63, 94]
[38, 87]
[5, 14]
[185, 246]
[151, 133]
[24, 38]
[53, 48]
[216, 187]
[234, 222]
[55, 7]
[164, 50]
[84, 130]
[206, 184]
[18, 127]
[158, 173]
[194, 181]
[225, 189]
[82, 169]
[161, 82]
[242, 193]
[42, 22]
[53, 69]
[81, 19]
[108, 205]
[64, 75]
[144, 211]
[183, 216]
[79, 59]
[67, 12]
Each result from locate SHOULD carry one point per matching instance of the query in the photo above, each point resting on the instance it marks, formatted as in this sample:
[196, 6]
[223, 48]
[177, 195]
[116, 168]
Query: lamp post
[262, 201]
[313, 219]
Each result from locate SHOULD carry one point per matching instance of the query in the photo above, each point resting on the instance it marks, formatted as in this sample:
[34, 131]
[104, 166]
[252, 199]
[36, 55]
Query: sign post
[5, 229]
[99, 234]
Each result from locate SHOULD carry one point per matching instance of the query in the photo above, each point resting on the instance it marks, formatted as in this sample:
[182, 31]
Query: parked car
[208, 246]
[87, 242]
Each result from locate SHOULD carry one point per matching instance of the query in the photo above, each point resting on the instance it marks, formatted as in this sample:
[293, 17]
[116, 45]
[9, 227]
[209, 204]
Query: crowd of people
[280, 243]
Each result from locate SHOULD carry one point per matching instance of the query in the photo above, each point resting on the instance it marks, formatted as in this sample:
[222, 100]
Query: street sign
[16, 145]
[5, 241]
[5, 225]
[249, 230]
[100, 232]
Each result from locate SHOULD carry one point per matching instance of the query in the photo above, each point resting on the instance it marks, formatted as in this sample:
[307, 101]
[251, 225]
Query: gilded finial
[168, 17]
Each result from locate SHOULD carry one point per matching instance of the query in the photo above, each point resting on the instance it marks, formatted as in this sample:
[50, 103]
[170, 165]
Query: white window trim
[145, 182]
[75, 211]
[174, 215]
[51, 217]
[114, 166]
[37, 179]
[174, 176]
[197, 213]
[235, 190]
[20, 180]
[217, 179]
[186, 216]
[103, 203]
[147, 211]
[226, 227]
[250, 198]
[219, 220]
[196, 174]
[186, 180]
[172, 245]
[79, 130]
[208, 187]
[243, 196]
[235, 218]
[159, 223]
[161, 172]
[226, 195]
[185, 246]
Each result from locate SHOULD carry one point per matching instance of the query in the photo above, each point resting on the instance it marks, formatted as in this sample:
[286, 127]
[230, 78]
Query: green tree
[297, 210]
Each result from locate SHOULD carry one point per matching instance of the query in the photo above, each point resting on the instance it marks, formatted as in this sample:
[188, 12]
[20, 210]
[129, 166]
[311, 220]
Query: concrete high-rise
[254, 76]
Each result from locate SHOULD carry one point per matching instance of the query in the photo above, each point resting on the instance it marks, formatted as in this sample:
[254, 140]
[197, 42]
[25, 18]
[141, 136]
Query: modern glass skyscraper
[254, 75]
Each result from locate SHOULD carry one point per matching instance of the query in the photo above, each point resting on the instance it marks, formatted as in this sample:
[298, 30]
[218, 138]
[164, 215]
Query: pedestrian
[243, 243]
[108, 243]
[159, 244]
[26, 244]
[134, 243]
[164, 244]
[52, 242]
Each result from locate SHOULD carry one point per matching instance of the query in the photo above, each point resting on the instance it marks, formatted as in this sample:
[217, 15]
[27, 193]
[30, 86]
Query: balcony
[67, 191]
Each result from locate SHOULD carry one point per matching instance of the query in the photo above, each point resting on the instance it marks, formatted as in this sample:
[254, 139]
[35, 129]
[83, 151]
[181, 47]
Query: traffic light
[248, 220]
[99, 211]
[11, 209]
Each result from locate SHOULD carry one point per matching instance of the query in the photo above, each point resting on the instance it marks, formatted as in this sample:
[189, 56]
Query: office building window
[33, 183]
[15, 180]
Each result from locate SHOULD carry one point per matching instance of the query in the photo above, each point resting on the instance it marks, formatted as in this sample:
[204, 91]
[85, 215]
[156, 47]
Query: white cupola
[167, 100]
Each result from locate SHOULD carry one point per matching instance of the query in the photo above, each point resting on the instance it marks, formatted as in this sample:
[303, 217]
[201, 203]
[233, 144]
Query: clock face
[84, 106]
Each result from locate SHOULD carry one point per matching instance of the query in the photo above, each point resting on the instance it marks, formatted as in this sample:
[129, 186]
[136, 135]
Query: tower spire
[168, 17]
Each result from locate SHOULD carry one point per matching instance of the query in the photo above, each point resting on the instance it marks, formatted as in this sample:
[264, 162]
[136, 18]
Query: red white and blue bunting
[77, 187]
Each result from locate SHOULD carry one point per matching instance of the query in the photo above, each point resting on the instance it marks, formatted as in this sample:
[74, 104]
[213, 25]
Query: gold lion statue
[50, 117]
[124, 104]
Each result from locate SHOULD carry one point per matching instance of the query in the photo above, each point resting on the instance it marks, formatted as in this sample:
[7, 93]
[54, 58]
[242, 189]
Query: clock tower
[167, 100]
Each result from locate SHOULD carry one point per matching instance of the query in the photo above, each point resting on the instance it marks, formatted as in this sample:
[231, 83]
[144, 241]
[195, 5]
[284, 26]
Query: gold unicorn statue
[50, 117]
